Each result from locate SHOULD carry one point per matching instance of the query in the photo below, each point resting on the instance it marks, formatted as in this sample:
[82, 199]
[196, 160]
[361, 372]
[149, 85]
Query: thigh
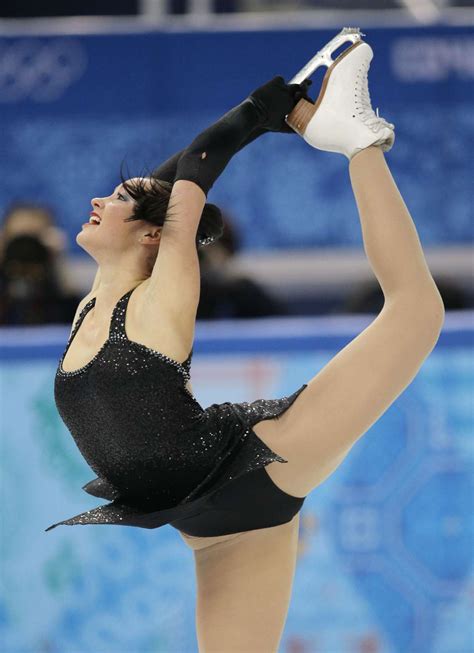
[195, 543]
[347, 396]
[244, 588]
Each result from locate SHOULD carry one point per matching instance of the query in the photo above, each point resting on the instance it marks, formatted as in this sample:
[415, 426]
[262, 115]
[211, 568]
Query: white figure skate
[342, 119]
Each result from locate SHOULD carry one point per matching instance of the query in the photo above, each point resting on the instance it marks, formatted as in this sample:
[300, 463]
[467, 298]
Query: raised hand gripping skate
[299, 118]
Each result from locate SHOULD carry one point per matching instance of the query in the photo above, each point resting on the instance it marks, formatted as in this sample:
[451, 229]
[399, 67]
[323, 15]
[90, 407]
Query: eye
[122, 196]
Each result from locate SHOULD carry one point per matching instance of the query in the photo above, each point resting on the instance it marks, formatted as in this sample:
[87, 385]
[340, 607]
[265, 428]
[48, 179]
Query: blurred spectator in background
[34, 220]
[368, 297]
[31, 289]
[226, 293]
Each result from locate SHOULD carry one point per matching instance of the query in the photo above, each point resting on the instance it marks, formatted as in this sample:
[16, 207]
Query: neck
[111, 287]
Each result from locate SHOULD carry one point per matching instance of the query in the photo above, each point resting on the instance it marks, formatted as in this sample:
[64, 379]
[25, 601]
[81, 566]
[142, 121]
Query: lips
[93, 214]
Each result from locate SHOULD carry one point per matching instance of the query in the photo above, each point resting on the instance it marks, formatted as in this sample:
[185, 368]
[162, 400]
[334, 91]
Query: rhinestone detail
[117, 335]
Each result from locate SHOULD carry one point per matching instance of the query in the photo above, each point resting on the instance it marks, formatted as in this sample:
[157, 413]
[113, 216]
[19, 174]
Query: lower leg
[391, 241]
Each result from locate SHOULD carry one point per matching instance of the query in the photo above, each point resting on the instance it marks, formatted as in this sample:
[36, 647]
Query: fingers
[301, 87]
[277, 81]
[297, 90]
[278, 100]
[301, 90]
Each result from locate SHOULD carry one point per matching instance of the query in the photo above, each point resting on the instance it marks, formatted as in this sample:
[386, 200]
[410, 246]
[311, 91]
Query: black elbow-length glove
[167, 170]
[207, 156]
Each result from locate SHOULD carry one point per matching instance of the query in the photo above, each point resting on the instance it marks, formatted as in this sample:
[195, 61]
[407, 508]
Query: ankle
[366, 154]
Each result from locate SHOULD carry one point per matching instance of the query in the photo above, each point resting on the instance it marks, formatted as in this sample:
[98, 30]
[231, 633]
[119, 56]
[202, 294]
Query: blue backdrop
[73, 106]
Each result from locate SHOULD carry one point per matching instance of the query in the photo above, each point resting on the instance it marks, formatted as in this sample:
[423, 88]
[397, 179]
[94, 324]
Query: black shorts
[249, 502]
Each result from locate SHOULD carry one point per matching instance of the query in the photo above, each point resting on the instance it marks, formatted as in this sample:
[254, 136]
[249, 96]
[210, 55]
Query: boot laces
[366, 113]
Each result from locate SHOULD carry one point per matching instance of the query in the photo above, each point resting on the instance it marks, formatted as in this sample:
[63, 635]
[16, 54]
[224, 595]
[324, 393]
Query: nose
[96, 202]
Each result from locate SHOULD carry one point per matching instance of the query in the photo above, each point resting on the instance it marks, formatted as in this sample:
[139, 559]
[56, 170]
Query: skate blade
[323, 56]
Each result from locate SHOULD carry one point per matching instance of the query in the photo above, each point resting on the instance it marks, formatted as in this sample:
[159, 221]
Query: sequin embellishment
[117, 335]
[156, 452]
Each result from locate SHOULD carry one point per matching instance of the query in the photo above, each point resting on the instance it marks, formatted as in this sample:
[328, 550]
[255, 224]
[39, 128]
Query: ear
[151, 237]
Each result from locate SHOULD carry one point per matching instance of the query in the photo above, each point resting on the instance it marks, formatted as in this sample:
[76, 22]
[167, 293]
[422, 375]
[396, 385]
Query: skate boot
[342, 119]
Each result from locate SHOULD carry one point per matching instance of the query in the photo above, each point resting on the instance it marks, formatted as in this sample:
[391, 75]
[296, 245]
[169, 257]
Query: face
[113, 209]
[113, 235]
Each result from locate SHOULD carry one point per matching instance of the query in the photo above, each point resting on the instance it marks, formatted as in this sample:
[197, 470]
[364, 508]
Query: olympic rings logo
[39, 70]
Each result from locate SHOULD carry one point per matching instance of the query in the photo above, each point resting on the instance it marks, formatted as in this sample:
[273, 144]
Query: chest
[92, 336]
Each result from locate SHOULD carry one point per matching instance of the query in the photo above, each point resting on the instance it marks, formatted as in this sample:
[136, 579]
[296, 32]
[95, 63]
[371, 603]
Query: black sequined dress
[158, 455]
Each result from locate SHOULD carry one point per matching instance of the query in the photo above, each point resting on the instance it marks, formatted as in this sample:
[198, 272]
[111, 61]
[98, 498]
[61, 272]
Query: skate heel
[301, 116]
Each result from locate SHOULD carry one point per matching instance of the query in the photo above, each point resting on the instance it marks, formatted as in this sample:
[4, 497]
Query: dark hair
[230, 238]
[152, 205]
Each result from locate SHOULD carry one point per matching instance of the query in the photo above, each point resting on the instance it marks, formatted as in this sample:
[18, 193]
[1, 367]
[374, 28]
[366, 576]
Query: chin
[80, 243]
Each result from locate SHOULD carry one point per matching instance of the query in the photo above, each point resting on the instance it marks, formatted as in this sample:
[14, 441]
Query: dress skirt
[236, 495]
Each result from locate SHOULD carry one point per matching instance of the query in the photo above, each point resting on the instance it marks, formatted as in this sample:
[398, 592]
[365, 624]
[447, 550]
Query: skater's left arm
[175, 280]
[167, 170]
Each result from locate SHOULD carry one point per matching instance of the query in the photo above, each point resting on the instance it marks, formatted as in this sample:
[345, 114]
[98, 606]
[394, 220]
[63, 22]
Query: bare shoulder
[154, 326]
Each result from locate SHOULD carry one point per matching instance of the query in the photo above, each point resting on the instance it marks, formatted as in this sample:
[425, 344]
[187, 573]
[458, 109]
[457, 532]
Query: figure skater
[122, 385]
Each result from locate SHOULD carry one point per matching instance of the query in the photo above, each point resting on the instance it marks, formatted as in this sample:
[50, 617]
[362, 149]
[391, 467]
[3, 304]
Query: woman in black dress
[216, 474]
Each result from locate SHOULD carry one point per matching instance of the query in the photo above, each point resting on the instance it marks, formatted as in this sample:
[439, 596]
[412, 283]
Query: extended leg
[358, 385]
[390, 238]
